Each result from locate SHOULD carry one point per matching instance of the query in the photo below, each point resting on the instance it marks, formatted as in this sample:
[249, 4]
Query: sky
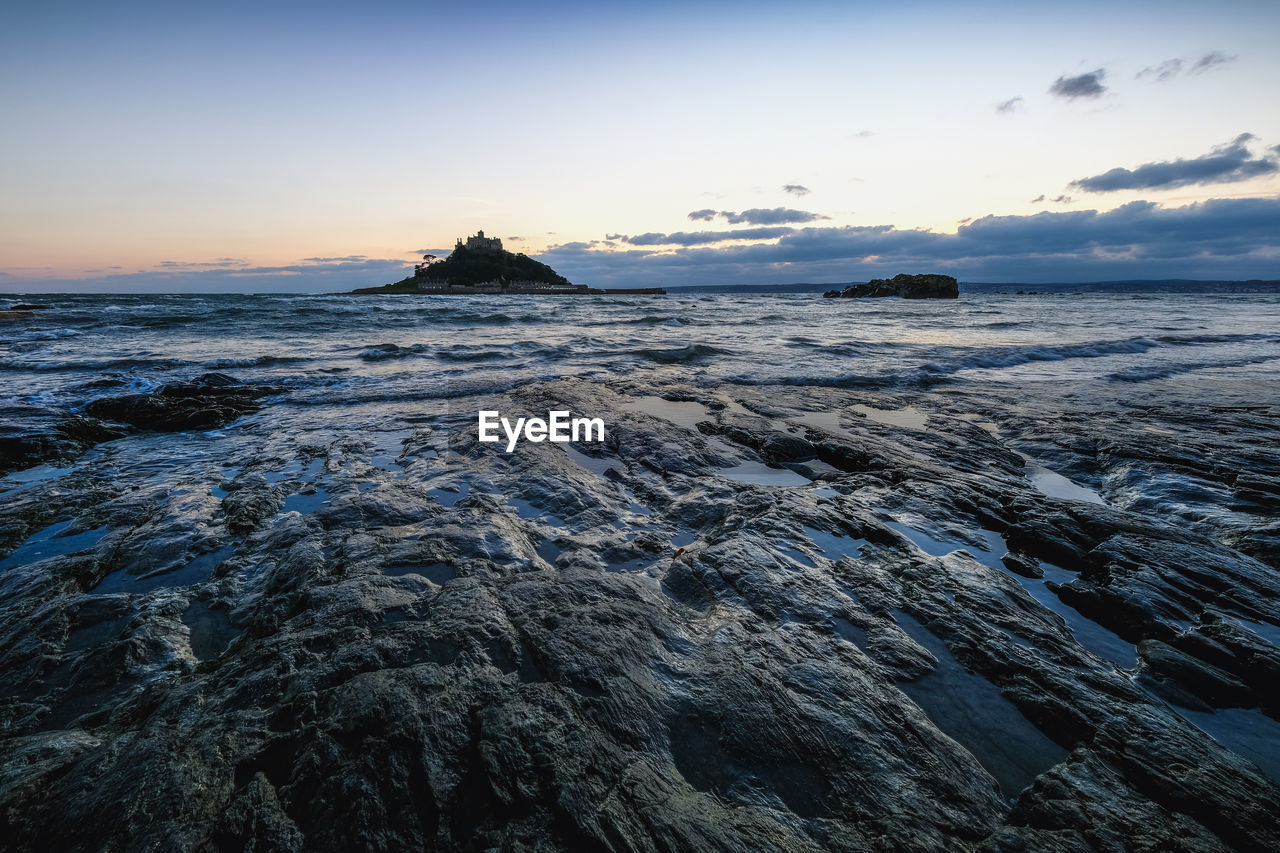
[173, 146]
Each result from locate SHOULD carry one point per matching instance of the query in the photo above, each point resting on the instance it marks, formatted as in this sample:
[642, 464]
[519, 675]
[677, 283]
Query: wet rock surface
[809, 619]
[63, 439]
[210, 401]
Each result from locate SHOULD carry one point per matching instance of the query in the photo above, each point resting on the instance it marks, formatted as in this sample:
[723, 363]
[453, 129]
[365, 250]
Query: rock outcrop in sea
[206, 402]
[925, 286]
[209, 401]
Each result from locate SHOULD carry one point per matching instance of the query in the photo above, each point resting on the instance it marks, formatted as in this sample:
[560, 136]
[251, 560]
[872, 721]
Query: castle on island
[480, 243]
[477, 243]
[480, 264]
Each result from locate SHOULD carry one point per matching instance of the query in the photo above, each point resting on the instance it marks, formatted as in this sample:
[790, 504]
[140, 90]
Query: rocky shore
[208, 401]
[823, 619]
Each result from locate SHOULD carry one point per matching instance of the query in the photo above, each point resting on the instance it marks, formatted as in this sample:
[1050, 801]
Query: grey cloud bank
[1219, 238]
[1225, 164]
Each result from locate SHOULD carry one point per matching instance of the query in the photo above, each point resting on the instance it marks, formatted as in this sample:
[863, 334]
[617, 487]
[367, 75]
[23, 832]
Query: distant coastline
[479, 265]
[1135, 286]
[10, 298]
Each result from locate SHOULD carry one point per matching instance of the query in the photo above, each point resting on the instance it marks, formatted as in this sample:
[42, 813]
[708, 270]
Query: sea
[372, 363]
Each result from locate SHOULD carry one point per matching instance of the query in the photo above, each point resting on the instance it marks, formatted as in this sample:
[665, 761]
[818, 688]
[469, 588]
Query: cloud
[1038, 199]
[217, 263]
[1063, 199]
[758, 216]
[1171, 68]
[770, 216]
[1009, 106]
[862, 134]
[1082, 86]
[1210, 61]
[700, 238]
[796, 189]
[346, 259]
[1166, 70]
[1224, 164]
[1219, 238]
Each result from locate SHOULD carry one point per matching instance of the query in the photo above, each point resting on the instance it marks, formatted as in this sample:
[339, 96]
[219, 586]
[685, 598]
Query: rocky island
[481, 266]
[926, 286]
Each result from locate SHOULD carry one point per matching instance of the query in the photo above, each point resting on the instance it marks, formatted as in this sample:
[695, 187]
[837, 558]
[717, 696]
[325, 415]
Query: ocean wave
[329, 310]
[850, 350]
[145, 363]
[106, 364]
[1016, 356]
[1165, 371]
[646, 320]
[174, 320]
[887, 380]
[254, 361]
[859, 349]
[944, 366]
[681, 355]
[653, 320]
[41, 335]
[1217, 339]
[472, 354]
[380, 352]
[498, 319]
